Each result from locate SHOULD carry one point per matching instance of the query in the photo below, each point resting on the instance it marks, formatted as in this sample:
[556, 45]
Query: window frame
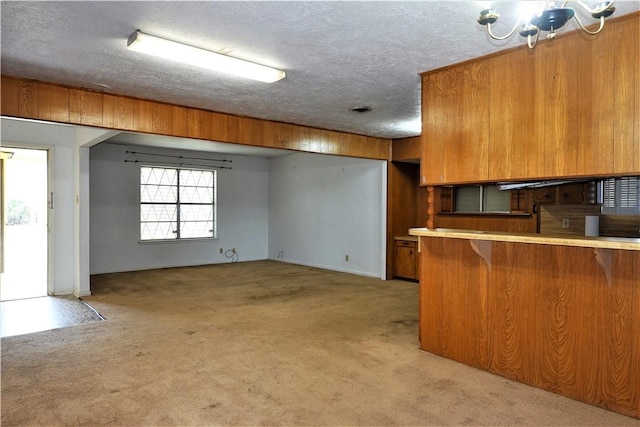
[177, 224]
[481, 201]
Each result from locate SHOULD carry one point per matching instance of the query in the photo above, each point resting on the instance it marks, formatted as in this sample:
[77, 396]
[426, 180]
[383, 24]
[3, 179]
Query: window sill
[189, 240]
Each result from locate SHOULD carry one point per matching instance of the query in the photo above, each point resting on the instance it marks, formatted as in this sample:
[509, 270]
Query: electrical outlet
[565, 223]
[346, 258]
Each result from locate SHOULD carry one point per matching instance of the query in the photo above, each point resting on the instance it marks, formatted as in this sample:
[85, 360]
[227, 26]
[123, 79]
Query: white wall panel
[325, 208]
[115, 226]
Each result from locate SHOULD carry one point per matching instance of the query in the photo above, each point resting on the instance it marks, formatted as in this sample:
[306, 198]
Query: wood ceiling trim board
[20, 98]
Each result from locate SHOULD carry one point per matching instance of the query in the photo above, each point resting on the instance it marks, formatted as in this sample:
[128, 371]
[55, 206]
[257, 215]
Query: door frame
[49, 149]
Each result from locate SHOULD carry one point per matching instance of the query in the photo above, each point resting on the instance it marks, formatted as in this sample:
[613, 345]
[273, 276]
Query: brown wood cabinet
[544, 195]
[566, 194]
[406, 258]
[565, 319]
[455, 108]
[569, 108]
[571, 194]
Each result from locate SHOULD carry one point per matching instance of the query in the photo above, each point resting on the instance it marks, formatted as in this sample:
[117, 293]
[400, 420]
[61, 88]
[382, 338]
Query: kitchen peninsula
[557, 313]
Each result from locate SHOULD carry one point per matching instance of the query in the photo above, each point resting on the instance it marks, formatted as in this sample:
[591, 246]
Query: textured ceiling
[337, 55]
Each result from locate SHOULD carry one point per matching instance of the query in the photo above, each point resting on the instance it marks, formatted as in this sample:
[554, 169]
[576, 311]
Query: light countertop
[629, 244]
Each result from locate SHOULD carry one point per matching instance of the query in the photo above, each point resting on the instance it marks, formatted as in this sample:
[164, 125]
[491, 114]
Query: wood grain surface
[569, 108]
[544, 315]
[456, 115]
[23, 98]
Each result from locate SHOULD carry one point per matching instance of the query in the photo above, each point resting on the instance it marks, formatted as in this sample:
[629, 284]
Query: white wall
[115, 224]
[322, 208]
[59, 139]
[314, 209]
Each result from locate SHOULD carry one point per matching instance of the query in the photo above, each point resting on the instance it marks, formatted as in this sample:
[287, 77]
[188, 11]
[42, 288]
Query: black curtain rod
[179, 164]
[178, 157]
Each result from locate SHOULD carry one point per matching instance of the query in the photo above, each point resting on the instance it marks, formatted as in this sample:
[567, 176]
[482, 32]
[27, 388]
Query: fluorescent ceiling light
[175, 51]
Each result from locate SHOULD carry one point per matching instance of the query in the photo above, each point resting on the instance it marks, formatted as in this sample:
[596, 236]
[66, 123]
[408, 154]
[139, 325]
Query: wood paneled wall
[406, 205]
[406, 149]
[548, 316]
[44, 101]
[568, 108]
[620, 225]
[487, 222]
[552, 216]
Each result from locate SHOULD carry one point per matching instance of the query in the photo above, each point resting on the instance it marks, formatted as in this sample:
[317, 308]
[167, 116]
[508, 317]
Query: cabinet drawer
[544, 195]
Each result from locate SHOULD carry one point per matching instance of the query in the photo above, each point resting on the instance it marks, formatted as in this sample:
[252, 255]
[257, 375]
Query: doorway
[24, 230]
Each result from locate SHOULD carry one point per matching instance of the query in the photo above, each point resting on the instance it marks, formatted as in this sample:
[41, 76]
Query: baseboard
[326, 267]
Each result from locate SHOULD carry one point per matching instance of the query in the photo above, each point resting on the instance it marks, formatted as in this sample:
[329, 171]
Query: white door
[25, 211]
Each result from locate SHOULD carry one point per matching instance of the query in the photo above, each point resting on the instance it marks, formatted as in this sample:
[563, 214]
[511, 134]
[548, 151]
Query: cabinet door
[405, 260]
[515, 128]
[455, 127]
[626, 118]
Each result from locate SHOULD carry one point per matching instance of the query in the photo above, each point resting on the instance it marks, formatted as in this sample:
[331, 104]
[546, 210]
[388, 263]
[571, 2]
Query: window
[481, 198]
[621, 196]
[177, 203]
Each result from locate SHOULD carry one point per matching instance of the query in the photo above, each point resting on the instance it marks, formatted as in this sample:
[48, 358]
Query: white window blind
[621, 196]
[629, 192]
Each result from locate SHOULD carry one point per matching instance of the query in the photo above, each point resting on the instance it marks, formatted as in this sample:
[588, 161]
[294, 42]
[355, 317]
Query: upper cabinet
[569, 108]
[455, 128]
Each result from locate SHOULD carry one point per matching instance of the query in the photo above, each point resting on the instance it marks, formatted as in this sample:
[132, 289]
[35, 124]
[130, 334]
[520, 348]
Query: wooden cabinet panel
[435, 94]
[556, 81]
[626, 77]
[569, 108]
[453, 301]
[406, 260]
[555, 317]
[516, 307]
[513, 146]
[456, 124]
[596, 85]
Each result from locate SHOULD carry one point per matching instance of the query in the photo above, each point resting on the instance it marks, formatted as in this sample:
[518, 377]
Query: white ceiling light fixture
[550, 18]
[174, 51]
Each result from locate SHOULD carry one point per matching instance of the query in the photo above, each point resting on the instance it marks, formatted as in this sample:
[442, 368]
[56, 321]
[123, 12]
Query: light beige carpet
[259, 343]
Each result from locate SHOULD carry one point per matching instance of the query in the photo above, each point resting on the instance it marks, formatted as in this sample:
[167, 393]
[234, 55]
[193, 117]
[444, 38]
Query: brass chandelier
[549, 19]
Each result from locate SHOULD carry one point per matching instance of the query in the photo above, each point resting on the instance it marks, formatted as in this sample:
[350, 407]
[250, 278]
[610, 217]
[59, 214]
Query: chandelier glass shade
[549, 19]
